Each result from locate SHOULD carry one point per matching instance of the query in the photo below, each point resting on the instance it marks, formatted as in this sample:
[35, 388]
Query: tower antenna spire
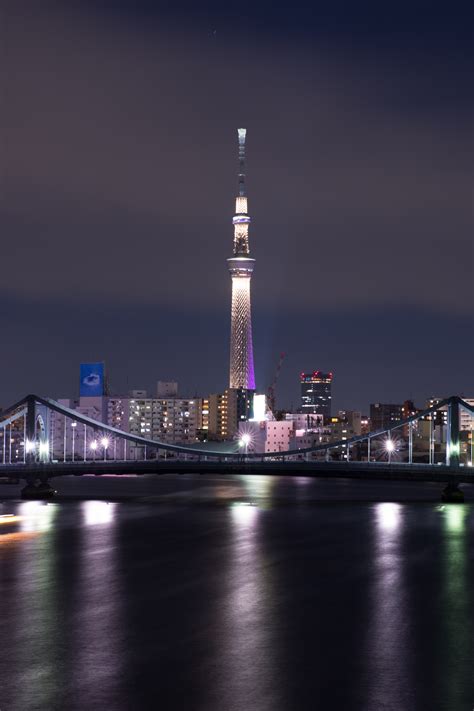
[242, 134]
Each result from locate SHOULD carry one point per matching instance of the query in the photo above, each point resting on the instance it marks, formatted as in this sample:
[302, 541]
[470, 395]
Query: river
[237, 593]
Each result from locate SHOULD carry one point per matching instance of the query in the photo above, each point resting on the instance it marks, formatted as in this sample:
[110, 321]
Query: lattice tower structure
[242, 374]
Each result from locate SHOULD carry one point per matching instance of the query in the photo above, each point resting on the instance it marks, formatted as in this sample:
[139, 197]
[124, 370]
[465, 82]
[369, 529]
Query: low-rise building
[305, 421]
[267, 435]
[353, 419]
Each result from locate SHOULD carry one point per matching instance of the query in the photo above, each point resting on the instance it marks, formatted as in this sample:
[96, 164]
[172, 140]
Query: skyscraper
[316, 393]
[242, 376]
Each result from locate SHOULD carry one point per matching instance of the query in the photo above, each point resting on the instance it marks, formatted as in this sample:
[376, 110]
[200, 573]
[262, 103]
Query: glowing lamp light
[94, 445]
[30, 445]
[104, 442]
[44, 447]
[245, 440]
[454, 449]
[390, 445]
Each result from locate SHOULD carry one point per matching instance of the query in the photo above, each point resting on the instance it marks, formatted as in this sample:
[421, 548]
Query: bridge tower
[242, 376]
[30, 429]
[453, 435]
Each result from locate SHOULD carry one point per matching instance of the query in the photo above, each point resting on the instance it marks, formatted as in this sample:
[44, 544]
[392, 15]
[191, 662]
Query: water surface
[244, 593]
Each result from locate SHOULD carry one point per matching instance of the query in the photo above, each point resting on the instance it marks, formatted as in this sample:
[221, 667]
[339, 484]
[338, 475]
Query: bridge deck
[352, 470]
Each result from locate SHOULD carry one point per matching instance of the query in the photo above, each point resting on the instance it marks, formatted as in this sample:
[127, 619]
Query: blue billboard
[92, 380]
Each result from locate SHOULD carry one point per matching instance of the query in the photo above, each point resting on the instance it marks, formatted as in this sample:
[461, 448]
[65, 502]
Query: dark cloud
[377, 355]
[119, 176]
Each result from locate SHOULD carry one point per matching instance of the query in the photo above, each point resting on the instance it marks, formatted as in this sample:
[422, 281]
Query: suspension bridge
[32, 450]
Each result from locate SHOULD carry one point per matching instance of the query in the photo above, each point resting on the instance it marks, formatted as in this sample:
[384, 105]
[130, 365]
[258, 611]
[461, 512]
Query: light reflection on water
[246, 646]
[37, 515]
[389, 645]
[244, 514]
[456, 617]
[99, 624]
[98, 512]
[36, 613]
[258, 487]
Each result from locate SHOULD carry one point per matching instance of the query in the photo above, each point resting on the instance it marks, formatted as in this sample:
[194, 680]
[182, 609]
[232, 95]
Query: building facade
[268, 435]
[385, 415]
[223, 418]
[316, 393]
[167, 420]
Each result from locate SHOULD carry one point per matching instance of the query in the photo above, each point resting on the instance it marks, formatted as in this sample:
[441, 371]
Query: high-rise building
[385, 415]
[224, 414]
[170, 420]
[316, 393]
[203, 428]
[242, 376]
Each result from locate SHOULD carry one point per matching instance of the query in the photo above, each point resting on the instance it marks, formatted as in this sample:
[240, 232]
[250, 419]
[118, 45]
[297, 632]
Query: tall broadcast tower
[242, 374]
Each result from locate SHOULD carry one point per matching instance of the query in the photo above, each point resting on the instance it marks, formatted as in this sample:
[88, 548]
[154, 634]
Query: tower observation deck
[242, 375]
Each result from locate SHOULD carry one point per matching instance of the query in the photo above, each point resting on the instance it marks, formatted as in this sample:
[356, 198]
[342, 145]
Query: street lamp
[105, 443]
[390, 447]
[73, 425]
[245, 441]
[94, 447]
[44, 450]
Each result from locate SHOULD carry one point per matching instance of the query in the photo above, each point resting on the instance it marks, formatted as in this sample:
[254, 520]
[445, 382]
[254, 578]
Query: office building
[384, 415]
[316, 393]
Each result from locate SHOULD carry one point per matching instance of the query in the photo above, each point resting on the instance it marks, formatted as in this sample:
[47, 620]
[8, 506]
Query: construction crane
[271, 396]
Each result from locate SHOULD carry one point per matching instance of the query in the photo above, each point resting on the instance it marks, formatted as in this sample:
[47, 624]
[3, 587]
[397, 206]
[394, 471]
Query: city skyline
[225, 488]
[364, 253]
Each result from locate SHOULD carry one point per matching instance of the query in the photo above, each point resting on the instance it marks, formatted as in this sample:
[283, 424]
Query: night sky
[119, 162]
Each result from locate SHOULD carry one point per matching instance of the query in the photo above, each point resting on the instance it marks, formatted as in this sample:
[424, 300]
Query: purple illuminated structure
[242, 374]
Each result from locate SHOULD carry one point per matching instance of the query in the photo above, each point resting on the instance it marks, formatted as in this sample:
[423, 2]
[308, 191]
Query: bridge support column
[410, 443]
[452, 494]
[37, 487]
[30, 430]
[452, 436]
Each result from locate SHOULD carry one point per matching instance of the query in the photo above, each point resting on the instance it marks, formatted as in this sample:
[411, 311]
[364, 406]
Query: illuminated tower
[241, 267]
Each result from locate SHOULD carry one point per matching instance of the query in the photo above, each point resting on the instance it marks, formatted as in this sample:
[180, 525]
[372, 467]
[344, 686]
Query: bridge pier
[452, 494]
[38, 488]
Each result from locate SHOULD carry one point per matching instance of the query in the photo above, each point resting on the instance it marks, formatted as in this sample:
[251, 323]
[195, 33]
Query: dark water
[199, 593]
